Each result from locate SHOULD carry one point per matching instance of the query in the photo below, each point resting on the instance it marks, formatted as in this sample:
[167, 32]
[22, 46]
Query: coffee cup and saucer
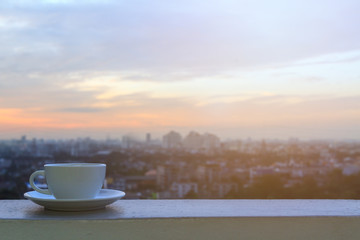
[72, 187]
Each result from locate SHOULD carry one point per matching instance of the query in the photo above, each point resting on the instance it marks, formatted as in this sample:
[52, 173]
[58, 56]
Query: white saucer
[105, 197]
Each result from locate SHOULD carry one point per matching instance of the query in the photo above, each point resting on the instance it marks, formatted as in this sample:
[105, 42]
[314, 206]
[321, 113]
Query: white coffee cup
[71, 180]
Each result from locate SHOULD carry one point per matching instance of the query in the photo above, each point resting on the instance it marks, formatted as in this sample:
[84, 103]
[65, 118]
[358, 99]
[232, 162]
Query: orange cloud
[156, 114]
[16, 116]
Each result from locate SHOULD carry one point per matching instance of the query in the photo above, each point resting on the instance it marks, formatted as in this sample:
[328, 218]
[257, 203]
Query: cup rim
[72, 165]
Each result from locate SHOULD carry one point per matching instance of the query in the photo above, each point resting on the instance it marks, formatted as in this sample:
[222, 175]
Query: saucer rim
[117, 194]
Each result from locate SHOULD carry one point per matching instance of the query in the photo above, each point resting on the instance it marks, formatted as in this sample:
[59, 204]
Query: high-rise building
[148, 138]
[211, 141]
[126, 141]
[193, 141]
[172, 140]
[196, 141]
[166, 175]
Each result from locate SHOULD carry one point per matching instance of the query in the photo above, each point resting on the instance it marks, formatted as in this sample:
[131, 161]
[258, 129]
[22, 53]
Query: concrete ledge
[135, 209]
[186, 219]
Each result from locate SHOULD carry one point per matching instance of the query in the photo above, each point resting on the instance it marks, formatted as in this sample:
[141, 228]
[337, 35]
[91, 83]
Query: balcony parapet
[186, 219]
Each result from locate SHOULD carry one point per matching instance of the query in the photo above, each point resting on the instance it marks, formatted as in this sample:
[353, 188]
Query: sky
[238, 69]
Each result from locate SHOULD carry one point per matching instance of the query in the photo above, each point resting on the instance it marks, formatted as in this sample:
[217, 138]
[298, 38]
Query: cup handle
[31, 180]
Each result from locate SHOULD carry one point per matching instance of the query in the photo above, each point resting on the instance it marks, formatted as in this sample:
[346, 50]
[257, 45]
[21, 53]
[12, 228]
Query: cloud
[191, 37]
[344, 57]
[81, 110]
[276, 115]
[301, 116]
[190, 64]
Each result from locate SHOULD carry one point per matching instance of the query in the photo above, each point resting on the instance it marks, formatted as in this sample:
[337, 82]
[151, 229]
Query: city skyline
[237, 69]
[150, 138]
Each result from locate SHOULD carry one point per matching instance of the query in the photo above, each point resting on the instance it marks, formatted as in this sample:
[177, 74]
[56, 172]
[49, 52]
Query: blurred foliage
[334, 185]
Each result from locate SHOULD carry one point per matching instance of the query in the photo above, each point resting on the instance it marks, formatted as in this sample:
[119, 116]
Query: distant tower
[148, 138]
[126, 141]
[193, 141]
[211, 141]
[172, 140]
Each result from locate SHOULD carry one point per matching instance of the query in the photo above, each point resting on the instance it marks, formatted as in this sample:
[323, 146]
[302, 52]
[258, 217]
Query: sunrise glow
[280, 70]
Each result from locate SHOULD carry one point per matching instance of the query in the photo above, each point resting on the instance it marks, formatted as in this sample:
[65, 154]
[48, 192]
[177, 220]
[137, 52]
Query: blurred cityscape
[194, 166]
